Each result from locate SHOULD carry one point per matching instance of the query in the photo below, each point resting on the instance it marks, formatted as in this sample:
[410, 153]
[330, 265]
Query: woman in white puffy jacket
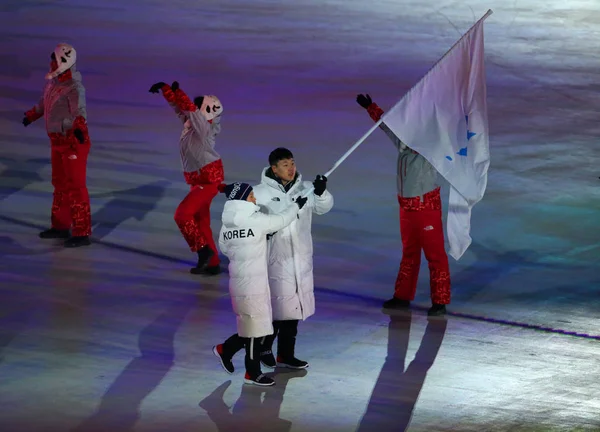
[243, 239]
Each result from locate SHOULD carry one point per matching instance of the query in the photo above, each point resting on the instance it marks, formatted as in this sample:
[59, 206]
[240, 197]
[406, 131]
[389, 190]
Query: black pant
[285, 332]
[253, 348]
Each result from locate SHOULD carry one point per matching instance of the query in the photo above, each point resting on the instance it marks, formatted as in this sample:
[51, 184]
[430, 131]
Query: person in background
[421, 225]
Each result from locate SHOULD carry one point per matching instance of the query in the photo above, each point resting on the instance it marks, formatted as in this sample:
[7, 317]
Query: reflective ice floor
[118, 336]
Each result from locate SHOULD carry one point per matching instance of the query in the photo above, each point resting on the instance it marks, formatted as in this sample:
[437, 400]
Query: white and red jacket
[200, 161]
[63, 107]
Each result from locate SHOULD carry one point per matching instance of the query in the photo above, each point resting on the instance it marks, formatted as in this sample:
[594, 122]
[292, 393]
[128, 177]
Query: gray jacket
[62, 101]
[198, 138]
[415, 175]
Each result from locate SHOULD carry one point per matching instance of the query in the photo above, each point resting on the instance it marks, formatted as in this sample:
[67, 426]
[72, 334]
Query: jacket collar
[65, 76]
[270, 179]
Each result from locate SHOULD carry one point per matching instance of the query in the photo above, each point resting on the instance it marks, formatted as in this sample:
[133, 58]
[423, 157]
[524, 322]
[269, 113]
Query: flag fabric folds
[444, 118]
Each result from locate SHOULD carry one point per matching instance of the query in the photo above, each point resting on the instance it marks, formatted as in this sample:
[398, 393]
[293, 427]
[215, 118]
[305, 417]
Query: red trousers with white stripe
[421, 229]
[193, 213]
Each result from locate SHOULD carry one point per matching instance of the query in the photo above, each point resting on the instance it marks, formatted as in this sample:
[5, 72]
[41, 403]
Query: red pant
[193, 219]
[71, 204]
[421, 229]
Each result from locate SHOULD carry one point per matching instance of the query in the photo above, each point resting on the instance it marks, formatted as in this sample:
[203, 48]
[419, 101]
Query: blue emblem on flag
[470, 134]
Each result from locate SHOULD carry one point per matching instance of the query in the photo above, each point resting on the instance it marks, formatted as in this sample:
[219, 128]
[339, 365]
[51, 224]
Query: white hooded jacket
[243, 239]
[291, 248]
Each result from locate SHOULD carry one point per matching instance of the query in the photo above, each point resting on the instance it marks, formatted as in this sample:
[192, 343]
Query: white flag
[444, 118]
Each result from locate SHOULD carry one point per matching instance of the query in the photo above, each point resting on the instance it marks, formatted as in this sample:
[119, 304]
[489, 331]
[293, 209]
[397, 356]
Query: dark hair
[279, 154]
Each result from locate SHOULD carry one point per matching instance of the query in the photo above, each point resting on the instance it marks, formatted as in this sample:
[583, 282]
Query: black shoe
[437, 310]
[212, 270]
[74, 242]
[268, 359]
[204, 255]
[54, 233]
[291, 363]
[261, 380]
[225, 362]
[207, 271]
[396, 303]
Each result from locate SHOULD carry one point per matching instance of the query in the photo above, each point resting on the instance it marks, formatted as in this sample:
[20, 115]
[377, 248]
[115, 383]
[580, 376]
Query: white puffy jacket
[243, 239]
[291, 249]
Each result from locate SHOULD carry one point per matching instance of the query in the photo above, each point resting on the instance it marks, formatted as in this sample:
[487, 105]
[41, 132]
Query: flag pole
[345, 155]
[349, 152]
[487, 14]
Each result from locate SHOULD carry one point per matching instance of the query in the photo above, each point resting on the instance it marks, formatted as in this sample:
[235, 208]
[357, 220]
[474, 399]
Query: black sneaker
[261, 380]
[74, 242]
[204, 255]
[225, 362]
[437, 310]
[268, 359]
[396, 303]
[207, 271]
[292, 363]
[54, 233]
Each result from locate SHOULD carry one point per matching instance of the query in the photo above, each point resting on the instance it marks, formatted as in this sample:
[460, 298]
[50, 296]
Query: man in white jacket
[290, 254]
[243, 239]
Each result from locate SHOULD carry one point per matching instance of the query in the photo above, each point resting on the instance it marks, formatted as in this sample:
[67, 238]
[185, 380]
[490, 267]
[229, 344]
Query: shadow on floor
[397, 389]
[251, 411]
[135, 203]
[19, 174]
[119, 409]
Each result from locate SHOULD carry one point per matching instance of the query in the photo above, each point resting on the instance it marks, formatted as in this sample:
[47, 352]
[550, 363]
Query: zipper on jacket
[282, 188]
[296, 272]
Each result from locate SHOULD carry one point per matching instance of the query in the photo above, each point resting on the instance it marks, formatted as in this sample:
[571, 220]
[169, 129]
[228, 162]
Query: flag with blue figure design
[444, 118]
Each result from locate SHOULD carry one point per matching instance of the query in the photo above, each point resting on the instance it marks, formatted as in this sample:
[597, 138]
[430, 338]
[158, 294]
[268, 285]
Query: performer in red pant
[202, 169]
[420, 223]
[63, 107]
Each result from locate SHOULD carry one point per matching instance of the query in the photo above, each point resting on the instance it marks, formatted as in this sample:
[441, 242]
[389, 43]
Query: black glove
[156, 87]
[301, 201]
[175, 86]
[26, 121]
[364, 101]
[79, 135]
[320, 185]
